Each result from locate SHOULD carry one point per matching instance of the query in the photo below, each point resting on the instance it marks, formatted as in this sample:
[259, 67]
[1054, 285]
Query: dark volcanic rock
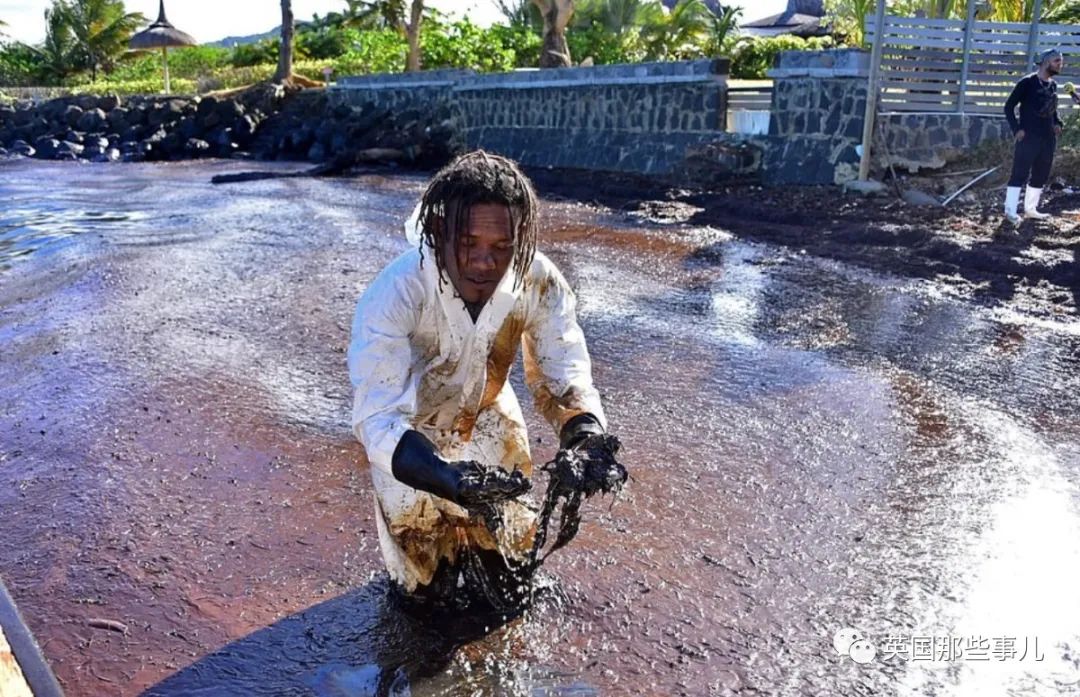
[197, 147]
[118, 119]
[167, 113]
[45, 146]
[23, 117]
[230, 110]
[93, 120]
[72, 114]
[207, 106]
[66, 149]
[109, 155]
[109, 102]
[92, 151]
[244, 129]
[188, 127]
[317, 153]
[21, 147]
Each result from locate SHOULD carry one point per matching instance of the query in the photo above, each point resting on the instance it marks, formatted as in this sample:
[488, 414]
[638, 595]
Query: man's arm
[381, 362]
[1011, 103]
[558, 371]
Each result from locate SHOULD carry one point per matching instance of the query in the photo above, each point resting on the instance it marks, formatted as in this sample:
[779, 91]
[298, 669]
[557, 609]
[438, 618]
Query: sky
[210, 20]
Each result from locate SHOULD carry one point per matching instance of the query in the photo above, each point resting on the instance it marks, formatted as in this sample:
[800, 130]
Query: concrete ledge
[714, 71]
[836, 62]
[424, 78]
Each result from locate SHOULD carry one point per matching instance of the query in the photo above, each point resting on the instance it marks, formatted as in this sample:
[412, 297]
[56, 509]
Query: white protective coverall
[418, 361]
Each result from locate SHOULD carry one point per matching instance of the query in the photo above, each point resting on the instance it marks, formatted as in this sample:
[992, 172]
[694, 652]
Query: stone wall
[819, 98]
[818, 104]
[930, 141]
[625, 118]
[645, 118]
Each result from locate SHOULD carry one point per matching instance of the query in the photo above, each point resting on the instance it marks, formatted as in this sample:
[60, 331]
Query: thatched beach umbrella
[161, 35]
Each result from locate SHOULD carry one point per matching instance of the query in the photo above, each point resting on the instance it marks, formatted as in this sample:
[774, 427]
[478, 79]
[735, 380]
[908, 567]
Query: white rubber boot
[1012, 200]
[1031, 204]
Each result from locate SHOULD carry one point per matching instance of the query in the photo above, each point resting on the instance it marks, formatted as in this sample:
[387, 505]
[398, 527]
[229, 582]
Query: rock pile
[309, 128]
[261, 122]
[104, 129]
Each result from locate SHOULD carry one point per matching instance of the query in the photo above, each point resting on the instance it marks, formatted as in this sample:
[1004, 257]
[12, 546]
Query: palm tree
[619, 16]
[724, 25]
[520, 12]
[555, 53]
[1065, 13]
[285, 54]
[101, 29]
[57, 52]
[412, 35]
[677, 33]
[1021, 10]
[375, 14]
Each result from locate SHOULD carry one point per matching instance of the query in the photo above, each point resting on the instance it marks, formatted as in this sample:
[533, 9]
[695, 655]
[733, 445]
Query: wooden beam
[872, 92]
[969, 28]
[1033, 36]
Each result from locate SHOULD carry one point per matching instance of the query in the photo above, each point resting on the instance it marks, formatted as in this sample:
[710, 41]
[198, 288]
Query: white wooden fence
[964, 66]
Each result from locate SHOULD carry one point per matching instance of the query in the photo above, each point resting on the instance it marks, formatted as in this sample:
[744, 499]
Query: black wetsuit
[1034, 155]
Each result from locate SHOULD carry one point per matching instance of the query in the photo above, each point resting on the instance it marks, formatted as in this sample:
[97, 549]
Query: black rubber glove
[467, 483]
[586, 459]
[576, 430]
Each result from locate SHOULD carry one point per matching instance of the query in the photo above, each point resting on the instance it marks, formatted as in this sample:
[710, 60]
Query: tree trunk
[285, 53]
[412, 35]
[555, 53]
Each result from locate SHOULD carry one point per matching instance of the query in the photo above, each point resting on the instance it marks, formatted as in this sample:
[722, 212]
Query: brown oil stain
[500, 359]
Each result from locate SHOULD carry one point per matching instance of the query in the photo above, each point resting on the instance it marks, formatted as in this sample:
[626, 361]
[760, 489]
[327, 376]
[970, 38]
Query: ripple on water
[28, 230]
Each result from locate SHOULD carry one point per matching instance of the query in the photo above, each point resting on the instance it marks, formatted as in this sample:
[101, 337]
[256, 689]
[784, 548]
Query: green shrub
[1070, 132]
[19, 65]
[604, 46]
[258, 53]
[129, 87]
[326, 42]
[376, 51]
[462, 44]
[753, 56]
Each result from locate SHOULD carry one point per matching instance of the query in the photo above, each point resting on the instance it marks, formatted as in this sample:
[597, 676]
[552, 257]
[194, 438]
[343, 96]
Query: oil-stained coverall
[417, 361]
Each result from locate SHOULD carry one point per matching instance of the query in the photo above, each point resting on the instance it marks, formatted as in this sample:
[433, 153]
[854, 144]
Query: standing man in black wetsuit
[1036, 134]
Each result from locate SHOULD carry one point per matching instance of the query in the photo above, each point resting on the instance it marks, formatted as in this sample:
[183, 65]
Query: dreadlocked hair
[475, 178]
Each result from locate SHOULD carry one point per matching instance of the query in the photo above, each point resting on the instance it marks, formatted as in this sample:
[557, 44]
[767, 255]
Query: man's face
[1054, 65]
[484, 251]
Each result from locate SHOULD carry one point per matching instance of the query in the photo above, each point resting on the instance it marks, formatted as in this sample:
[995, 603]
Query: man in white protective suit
[433, 341]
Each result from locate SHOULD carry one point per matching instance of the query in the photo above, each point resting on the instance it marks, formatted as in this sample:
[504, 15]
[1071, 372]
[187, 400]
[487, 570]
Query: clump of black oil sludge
[575, 475]
[590, 468]
[478, 583]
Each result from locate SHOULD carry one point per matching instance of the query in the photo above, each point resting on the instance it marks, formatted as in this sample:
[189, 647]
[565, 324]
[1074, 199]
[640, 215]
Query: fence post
[872, 91]
[1033, 34]
[969, 28]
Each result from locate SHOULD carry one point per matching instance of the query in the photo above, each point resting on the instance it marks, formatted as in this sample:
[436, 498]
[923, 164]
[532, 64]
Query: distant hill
[230, 41]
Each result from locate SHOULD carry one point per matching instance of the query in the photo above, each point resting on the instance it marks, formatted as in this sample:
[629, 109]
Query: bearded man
[1035, 133]
[433, 341]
